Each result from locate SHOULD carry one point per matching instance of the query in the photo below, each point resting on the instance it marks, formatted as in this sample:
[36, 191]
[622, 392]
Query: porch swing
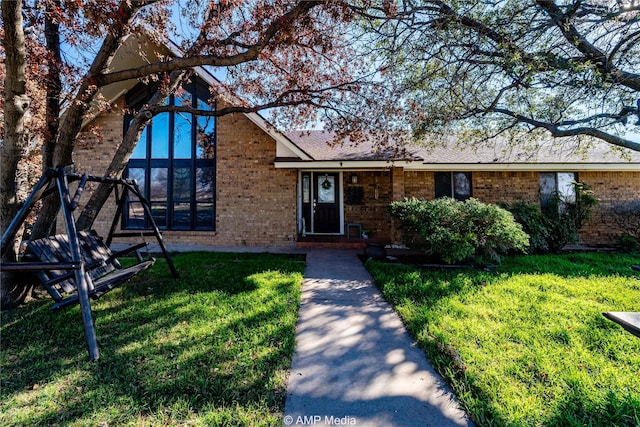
[79, 264]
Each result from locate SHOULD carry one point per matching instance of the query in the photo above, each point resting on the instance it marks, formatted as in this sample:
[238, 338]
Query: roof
[319, 149]
[133, 53]
[325, 151]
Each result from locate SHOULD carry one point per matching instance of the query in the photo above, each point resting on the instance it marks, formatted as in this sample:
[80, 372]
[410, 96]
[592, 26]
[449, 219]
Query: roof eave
[467, 167]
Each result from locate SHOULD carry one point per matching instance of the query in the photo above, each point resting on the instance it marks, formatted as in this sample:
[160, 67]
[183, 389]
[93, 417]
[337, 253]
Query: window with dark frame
[174, 163]
[456, 185]
[561, 184]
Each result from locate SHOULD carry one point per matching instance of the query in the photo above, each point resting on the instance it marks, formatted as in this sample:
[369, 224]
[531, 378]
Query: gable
[132, 53]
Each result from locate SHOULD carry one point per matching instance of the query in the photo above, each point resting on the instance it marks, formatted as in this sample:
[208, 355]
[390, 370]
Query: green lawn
[527, 345]
[211, 348]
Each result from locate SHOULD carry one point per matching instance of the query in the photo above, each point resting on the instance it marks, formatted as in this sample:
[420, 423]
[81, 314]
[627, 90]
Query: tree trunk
[16, 105]
[71, 123]
[119, 162]
[47, 217]
[54, 83]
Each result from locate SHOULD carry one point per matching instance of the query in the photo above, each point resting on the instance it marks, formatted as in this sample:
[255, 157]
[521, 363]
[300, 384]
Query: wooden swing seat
[102, 268]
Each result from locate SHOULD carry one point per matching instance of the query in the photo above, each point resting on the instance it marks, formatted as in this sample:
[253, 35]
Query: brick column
[397, 193]
[397, 184]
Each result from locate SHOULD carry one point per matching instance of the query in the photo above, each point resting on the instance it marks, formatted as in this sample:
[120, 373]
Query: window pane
[547, 187]
[443, 184]
[158, 184]
[181, 184]
[204, 215]
[159, 213]
[205, 178]
[138, 175]
[182, 215]
[326, 189]
[160, 136]
[204, 105]
[566, 188]
[182, 136]
[140, 152]
[306, 189]
[135, 215]
[462, 185]
[182, 96]
[206, 134]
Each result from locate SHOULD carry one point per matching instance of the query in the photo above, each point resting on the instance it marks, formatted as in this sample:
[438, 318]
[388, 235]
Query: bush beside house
[558, 222]
[461, 231]
[624, 218]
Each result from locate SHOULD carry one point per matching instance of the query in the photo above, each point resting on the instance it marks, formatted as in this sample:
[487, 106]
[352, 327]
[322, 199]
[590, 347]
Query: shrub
[628, 243]
[558, 222]
[534, 223]
[459, 231]
[625, 218]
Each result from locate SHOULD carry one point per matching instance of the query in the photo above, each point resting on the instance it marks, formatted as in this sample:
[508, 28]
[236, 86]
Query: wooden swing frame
[85, 257]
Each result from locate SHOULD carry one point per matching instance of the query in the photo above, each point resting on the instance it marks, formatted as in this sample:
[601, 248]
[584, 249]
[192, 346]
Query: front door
[326, 217]
[321, 202]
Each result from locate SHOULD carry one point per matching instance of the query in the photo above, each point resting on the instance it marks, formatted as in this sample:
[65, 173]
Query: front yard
[527, 345]
[212, 348]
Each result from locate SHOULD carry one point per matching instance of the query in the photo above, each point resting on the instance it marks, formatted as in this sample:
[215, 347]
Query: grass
[211, 348]
[527, 345]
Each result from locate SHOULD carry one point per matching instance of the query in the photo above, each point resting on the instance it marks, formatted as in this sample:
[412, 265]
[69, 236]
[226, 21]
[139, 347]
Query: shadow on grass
[527, 344]
[214, 345]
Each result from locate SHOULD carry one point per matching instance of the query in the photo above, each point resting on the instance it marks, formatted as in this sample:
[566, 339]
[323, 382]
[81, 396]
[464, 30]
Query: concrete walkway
[355, 363]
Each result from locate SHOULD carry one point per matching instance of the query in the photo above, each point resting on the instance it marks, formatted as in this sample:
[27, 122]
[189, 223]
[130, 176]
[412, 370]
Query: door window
[326, 189]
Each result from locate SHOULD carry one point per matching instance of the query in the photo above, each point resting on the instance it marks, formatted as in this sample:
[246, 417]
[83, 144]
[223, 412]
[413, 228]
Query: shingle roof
[321, 146]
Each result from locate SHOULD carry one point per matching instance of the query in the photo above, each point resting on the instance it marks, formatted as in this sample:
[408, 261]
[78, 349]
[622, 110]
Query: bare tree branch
[556, 131]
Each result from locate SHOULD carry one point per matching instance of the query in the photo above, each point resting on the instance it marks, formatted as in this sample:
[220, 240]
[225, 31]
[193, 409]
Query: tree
[275, 53]
[566, 68]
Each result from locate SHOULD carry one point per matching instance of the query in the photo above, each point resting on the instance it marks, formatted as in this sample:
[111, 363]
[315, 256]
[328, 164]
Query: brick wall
[93, 154]
[610, 188]
[502, 186]
[372, 211]
[493, 187]
[488, 187]
[256, 203]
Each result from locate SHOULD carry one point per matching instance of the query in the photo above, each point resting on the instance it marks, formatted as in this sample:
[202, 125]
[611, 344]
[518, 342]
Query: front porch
[331, 241]
[345, 208]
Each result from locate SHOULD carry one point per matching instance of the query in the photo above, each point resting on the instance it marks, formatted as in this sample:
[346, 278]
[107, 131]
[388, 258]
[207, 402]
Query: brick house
[236, 180]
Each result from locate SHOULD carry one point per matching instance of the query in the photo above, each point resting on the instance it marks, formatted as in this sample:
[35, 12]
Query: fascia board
[520, 167]
[331, 164]
[452, 167]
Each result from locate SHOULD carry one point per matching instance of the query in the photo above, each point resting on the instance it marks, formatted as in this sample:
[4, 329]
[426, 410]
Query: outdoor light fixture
[354, 179]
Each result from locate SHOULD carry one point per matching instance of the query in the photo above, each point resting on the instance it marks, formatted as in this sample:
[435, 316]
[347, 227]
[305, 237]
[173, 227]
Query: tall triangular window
[174, 163]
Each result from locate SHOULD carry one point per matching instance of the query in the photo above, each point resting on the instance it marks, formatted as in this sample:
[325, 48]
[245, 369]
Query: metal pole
[133, 187]
[80, 276]
[120, 201]
[37, 192]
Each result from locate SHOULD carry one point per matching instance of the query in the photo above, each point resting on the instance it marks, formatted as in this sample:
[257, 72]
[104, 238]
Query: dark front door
[326, 201]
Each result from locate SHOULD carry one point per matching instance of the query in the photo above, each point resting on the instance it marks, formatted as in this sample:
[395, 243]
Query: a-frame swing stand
[78, 265]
